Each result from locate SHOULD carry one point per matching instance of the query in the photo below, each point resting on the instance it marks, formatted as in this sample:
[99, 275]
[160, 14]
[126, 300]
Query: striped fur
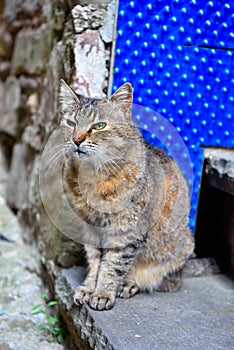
[132, 198]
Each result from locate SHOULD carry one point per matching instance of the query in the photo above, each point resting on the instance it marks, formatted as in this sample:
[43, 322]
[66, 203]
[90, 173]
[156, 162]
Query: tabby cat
[131, 195]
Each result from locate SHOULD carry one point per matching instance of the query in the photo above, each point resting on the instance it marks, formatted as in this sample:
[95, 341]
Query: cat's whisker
[52, 165]
[52, 152]
[54, 157]
[55, 148]
[49, 159]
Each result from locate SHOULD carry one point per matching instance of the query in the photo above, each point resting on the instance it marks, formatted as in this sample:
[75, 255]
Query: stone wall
[42, 41]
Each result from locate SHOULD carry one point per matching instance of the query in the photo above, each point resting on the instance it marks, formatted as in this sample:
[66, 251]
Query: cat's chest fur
[111, 197]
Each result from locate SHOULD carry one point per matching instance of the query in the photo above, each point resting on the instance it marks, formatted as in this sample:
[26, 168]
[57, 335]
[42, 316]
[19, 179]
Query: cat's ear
[68, 100]
[123, 96]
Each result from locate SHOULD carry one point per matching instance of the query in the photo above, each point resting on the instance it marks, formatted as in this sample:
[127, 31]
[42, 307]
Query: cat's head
[96, 128]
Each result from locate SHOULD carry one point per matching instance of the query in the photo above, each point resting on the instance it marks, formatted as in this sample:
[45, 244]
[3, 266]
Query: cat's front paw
[102, 301]
[82, 295]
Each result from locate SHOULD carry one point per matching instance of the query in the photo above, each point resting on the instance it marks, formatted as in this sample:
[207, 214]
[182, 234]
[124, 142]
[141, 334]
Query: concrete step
[199, 316]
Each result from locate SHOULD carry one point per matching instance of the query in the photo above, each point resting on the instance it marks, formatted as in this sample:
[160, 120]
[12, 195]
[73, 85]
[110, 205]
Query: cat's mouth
[79, 151]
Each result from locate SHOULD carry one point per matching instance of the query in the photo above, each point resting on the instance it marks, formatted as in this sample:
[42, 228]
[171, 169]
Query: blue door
[179, 57]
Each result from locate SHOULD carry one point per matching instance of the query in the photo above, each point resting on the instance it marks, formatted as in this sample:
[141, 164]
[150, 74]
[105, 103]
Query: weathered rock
[89, 77]
[3, 176]
[5, 42]
[34, 197]
[90, 16]
[47, 111]
[14, 8]
[19, 13]
[70, 253]
[99, 3]
[5, 68]
[32, 50]
[18, 185]
[32, 103]
[29, 85]
[10, 105]
[108, 29]
[28, 214]
[2, 94]
[31, 136]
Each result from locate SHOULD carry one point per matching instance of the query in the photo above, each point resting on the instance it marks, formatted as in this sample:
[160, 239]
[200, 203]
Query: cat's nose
[78, 140]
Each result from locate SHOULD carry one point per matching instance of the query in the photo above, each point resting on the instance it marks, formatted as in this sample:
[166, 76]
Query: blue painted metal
[179, 56]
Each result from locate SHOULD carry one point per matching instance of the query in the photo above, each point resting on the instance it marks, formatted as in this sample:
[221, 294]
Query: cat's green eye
[98, 126]
[71, 123]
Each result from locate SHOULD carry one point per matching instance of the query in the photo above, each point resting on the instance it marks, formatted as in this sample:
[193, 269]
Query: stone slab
[200, 316]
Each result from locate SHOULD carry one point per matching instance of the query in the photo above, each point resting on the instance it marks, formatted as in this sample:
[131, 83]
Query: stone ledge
[219, 169]
[197, 317]
[219, 174]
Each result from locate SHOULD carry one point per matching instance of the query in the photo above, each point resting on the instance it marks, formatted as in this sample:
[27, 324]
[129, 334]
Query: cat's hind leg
[172, 282]
[128, 289]
[150, 276]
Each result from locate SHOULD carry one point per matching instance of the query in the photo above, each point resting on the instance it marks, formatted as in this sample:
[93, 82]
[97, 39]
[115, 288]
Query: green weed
[52, 325]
